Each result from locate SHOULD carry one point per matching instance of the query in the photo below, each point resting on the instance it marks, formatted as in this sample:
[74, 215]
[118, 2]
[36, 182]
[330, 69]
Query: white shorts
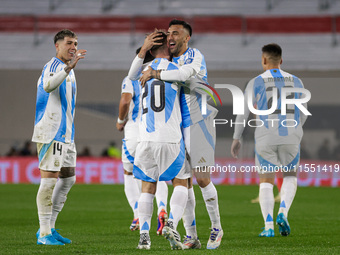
[128, 154]
[200, 140]
[274, 158]
[55, 155]
[161, 162]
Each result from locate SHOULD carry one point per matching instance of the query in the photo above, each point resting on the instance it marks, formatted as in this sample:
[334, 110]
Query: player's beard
[178, 48]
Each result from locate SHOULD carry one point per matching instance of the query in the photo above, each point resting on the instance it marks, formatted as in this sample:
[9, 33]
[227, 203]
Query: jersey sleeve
[298, 83]
[53, 78]
[191, 67]
[136, 68]
[242, 118]
[127, 86]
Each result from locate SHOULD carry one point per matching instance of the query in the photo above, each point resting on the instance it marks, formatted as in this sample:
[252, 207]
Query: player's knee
[180, 182]
[127, 173]
[203, 182]
[149, 187]
[67, 172]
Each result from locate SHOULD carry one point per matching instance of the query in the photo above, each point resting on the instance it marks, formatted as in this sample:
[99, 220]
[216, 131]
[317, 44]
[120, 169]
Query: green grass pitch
[97, 218]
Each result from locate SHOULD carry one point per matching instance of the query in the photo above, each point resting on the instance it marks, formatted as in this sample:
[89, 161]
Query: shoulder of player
[286, 74]
[193, 52]
[53, 65]
[161, 64]
[128, 85]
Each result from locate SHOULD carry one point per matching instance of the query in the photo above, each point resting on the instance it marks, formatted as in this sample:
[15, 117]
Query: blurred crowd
[324, 152]
[29, 149]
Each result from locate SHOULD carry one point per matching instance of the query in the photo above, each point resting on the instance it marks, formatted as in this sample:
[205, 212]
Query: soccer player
[276, 145]
[128, 120]
[160, 154]
[54, 134]
[198, 130]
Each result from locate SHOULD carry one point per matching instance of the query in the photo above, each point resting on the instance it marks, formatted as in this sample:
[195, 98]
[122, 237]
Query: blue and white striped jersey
[161, 115]
[191, 99]
[54, 116]
[277, 129]
[131, 129]
[195, 59]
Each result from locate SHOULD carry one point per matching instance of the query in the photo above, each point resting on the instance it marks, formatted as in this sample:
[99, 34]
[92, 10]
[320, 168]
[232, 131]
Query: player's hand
[146, 76]
[120, 127]
[80, 54]
[235, 148]
[149, 42]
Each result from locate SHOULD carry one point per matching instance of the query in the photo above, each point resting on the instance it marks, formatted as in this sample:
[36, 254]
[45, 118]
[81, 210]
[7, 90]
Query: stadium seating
[237, 28]
[171, 7]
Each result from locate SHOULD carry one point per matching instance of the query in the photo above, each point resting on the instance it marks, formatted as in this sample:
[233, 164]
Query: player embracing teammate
[188, 69]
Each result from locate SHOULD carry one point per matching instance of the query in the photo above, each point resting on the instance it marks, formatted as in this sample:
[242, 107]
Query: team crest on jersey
[56, 163]
[189, 61]
[68, 79]
[156, 61]
[51, 74]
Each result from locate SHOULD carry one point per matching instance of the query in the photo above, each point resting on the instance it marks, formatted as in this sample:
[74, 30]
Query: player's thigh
[55, 155]
[70, 155]
[289, 155]
[172, 161]
[128, 154]
[200, 138]
[266, 159]
[145, 165]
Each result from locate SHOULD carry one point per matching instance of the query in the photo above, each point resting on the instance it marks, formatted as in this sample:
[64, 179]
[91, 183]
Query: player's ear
[56, 46]
[151, 53]
[187, 39]
[281, 61]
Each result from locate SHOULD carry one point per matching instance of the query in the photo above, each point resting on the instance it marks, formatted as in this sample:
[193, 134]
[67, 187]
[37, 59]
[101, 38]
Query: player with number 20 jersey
[161, 152]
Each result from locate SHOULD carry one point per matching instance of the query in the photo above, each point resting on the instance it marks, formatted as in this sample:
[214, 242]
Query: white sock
[44, 204]
[132, 192]
[162, 196]
[209, 194]
[178, 202]
[267, 204]
[189, 215]
[145, 208]
[59, 196]
[288, 191]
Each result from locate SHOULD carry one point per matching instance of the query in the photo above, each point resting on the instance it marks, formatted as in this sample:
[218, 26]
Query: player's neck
[163, 53]
[65, 61]
[167, 56]
[181, 52]
[269, 67]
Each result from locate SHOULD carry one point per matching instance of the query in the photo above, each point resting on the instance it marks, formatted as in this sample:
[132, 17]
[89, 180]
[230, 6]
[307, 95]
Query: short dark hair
[273, 50]
[185, 24]
[64, 33]
[148, 56]
[164, 41]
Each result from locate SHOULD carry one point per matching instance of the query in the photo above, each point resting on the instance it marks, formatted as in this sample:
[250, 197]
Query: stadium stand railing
[201, 24]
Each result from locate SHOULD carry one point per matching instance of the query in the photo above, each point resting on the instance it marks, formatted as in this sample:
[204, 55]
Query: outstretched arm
[53, 82]
[136, 66]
